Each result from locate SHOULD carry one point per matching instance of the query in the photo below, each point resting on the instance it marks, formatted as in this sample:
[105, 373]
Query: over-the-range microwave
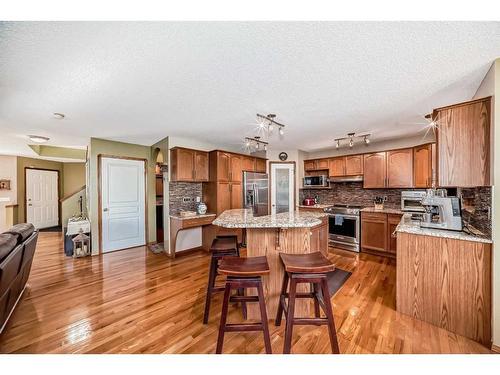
[315, 181]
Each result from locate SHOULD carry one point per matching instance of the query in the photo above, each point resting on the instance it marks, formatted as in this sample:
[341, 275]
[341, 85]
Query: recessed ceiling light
[38, 138]
[58, 115]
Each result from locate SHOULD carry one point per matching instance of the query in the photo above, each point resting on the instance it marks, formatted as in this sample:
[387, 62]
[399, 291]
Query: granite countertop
[321, 206]
[177, 216]
[407, 225]
[243, 218]
[385, 210]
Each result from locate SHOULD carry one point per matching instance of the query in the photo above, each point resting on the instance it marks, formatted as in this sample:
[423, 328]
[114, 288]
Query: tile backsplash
[476, 207]
[179, 190]
[353, 192]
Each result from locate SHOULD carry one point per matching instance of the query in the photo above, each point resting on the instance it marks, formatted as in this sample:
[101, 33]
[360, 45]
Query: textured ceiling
[139, 82]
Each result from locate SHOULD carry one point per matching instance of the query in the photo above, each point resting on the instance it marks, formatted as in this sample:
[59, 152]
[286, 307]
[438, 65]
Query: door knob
[30, 204]
[105, 210]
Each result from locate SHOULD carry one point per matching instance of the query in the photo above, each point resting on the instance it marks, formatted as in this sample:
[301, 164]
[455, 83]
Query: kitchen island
[294, 232]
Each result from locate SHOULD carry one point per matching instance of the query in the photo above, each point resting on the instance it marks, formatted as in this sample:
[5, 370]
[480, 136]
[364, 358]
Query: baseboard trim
[495, 348]
[13, 308]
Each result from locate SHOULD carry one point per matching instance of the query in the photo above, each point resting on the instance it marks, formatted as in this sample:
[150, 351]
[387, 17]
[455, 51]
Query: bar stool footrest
[244, 327]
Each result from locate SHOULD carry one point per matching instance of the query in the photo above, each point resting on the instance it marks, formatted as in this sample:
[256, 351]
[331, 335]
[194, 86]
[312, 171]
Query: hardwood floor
[134, 301]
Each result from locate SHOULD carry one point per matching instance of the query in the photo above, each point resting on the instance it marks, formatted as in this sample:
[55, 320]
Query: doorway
[122, 203]
[282, 176]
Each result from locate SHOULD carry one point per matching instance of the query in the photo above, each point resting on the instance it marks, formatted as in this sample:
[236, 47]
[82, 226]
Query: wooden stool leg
[211, 283]
[317, 312]
[263, 317]
[223, 318]
[281, 301]
[241, 292]
[329, 314]
[289, 317]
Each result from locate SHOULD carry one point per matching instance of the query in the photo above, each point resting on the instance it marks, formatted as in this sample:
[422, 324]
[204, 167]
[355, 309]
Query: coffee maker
[441, 211]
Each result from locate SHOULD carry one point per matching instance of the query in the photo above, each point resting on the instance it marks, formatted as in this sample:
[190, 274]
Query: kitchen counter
[177, 216]
[243, 218]
[319, 206]
[385, 210]
[407, 225]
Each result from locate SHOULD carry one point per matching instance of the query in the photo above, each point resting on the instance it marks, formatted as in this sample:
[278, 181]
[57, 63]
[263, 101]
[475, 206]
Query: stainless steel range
[344, 226]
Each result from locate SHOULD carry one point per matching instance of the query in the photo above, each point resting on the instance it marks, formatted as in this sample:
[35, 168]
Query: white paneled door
[42, 198]
[122, 203]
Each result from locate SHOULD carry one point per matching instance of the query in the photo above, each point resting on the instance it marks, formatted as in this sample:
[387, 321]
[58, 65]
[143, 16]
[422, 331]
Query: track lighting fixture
[255, 142]
[268, 123]
[352, 137]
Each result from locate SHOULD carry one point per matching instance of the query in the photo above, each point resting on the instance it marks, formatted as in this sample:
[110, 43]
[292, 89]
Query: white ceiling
[139, 82]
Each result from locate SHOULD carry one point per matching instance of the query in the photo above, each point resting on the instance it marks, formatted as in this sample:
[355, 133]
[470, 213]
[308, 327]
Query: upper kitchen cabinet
[463, 143]
[374, 170]
[399, 168]
[260, 165]
[248, 163]
[336, 167]
[188, 165]
[316, 165]
[354, 165]
[351, 165]
[422, 166]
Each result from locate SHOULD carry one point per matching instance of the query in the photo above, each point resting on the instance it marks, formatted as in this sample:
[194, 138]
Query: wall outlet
[186, 199]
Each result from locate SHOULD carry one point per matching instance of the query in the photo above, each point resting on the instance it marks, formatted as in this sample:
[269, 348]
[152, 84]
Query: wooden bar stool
[221, 246]
[244, 273]
[312, 269]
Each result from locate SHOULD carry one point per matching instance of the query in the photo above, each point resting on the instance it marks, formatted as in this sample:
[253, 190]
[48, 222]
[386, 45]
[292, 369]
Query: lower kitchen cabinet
[319, 237]
[376, 232]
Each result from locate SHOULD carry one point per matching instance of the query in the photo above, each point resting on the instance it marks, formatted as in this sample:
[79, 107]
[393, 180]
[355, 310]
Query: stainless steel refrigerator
[256, 192]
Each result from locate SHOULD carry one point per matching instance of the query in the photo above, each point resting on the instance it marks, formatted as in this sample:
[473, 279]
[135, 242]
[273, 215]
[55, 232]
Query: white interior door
[42, 198]
[282, 187]
[122, 203]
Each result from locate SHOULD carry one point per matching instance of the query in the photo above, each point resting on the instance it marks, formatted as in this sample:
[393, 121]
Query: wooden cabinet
[159, 186]
[422, 166]
[248, 164]
[236, 195]
[188, 165]
[336, 167]
[201, 166]
[376, 232]
[260, 165]
[390, 169]
[310, 165]
[374, 170]
[220, 167]
[463, 144]
[354, 165]
[235, 173]
[399, 168]
[351, 165]
[316, 165]
[392, 222]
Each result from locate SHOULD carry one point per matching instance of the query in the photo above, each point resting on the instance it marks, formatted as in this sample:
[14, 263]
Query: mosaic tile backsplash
[178, 190]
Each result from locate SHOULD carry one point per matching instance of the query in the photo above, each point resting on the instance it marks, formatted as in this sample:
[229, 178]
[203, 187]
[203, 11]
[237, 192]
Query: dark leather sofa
[17, 248]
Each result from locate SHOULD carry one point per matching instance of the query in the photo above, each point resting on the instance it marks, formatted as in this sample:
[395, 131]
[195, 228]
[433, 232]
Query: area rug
[336, 279]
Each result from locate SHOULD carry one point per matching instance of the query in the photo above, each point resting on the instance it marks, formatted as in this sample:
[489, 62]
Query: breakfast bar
[294, 232]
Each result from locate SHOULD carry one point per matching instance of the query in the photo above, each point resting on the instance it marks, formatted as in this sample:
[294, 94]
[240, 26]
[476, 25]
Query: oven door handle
[354, 217]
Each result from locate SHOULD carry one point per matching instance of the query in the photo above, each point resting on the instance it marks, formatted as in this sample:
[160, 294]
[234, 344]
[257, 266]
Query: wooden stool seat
[224, 244]
[243, 273]
[244, 267]
[307, 263]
